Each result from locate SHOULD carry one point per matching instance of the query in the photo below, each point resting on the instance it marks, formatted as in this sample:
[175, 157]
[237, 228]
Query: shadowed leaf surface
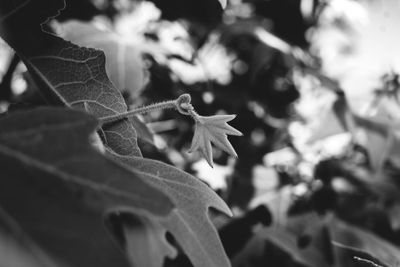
[59, 189]
[358, 257]
[136, 233]
[16, 248]
[354, 237]
[287, 241]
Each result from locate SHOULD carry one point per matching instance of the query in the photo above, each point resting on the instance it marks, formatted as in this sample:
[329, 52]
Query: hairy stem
[182, 104]
[157, 106]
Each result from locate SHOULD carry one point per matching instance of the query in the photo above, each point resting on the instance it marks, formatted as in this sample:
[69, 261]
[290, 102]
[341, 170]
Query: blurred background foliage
[314, 84]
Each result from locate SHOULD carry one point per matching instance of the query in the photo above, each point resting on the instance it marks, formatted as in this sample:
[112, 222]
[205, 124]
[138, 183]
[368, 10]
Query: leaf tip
[234, 154]
[223, 3]
[239, 133]
[210, 162]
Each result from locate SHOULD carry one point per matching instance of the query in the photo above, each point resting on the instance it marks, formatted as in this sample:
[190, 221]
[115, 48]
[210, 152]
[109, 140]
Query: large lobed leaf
[65, 73]
[188, 222]
[59, 189]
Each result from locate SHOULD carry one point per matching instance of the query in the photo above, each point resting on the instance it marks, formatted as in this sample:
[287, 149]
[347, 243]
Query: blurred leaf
[355, 237]
[142, 130]
[66, 74]
[388, 107]
[58, 188]
[284, 246]
[334, 121]
[378, 142]
[223, 3]
[251, 254]
[136, 233]
[16, 249]
[378, 183]
[124, 64]
[213, 129]
[313, 255]
[188, 222]
[357, 257]
[327, 229]
[303, 247]
[380, 139]
[308, 240]
[238, 231]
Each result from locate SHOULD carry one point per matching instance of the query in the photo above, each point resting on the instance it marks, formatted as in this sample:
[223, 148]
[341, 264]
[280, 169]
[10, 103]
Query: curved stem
[190, 111]
[182, 104]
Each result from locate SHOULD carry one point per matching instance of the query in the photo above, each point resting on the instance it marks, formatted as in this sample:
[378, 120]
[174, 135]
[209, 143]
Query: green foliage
[67, 185]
